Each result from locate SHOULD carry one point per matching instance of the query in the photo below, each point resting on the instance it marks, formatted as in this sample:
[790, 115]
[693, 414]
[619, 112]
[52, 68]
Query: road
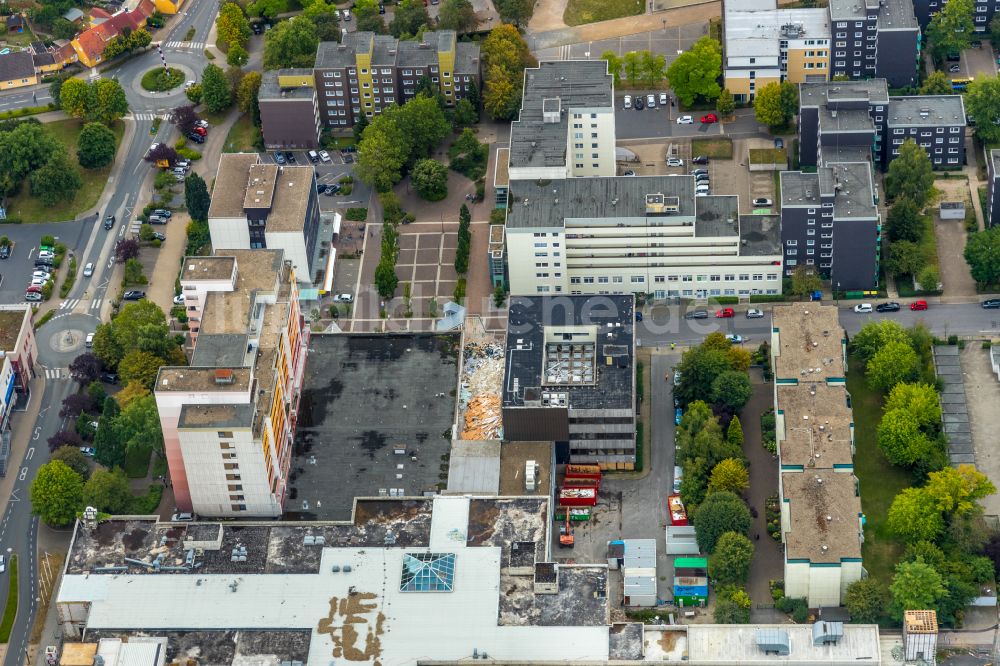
[62, 339]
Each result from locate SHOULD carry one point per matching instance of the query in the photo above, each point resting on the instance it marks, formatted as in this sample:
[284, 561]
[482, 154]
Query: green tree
[25, 149]
[910, 174]
[632, 62]
[237, 56]
[732, 606]
[500, 95]
[291, 43]
[789, 100]
[652, 68]
[982, 101]
[457, 15]
[107, 491]
[74, 459]
[268, 8]
[865, 600]
[904, 221]
[368, 17]
[721, 512]
[132, 391]
[106, 101]
[248, 94]
[914, 516]
[804, 279]
[995, 31]
[194, 93]
[505, 55]
[957, 490]
[465, 113]
[905, 258]
[767, 106]
[875, 335]
[58, 180]
[196, 197]
[430, 179]
[138, 425]
[410, 16]
[56, 493]
[725, 105]
[326, 19]
[381, 154]
[732, 389]
[108, 449]
[916, 586]
[982, 253]
[901, 439]
[499, 296]
[951, 28]
[734, 434]
[896, 362]
[730, 474]
[920, 401]
[730, 563]
[215, 89]
[614, 65]
[133, 268]
[928, 278]
[96, 146]
[423, 123]
[936, 83]
[696, 72]
[232, 26]
[73, 96]
[515, 11]
[140, 366]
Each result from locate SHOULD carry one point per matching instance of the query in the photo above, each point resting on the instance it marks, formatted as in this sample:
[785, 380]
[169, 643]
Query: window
[954, 130]
[616, 279]
[757, 277]
[602, 279]
[226, 445]
[791, 243]
[225, 433]
[772, 276]
[637, 279]
[542, 289]
[588, 280]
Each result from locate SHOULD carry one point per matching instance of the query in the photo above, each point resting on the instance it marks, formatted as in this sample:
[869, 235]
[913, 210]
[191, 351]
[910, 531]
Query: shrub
[356, 214]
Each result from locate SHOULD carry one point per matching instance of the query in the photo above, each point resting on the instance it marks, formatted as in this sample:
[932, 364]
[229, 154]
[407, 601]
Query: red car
[201, 130]
[918, 305]
[724, 313]
[710, 118]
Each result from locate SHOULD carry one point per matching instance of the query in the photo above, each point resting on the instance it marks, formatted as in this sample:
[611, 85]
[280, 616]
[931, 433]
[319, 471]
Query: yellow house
[16, 70]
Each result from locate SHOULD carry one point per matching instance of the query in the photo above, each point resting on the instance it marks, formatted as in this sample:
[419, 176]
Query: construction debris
[479, 398]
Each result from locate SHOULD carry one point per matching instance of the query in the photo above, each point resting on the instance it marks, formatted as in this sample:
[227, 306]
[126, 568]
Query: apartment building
[289, 110]
[875, 39]
[570, 377]
[831, 223]
[566, 126]
[229, 418]
[646, 235]
[764, 44]
[257, 205]
[983, 12]
[821, 519]
[844, 119]
[992, 211]
[19, 352]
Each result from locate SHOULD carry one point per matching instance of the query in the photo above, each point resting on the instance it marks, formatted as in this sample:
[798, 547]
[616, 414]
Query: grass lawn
[719, 148]
[879, 480]
[768, 156]
[579, 12]
[10, 611]
[137, 463]
[241, 136]
[159, 80]
[29, 209]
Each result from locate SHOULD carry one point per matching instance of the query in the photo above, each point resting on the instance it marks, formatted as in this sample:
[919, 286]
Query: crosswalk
[57, 373]
[143, 116]
[185, 45]
[69, 304]
[96, 303]
[72, 303]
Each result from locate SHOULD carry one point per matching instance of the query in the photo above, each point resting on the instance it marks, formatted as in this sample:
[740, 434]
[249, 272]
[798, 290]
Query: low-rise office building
[229, 418]
[821, 520]
[566, 126]
[875, 40]
[289, 111]
[256, 205]
[570, 377]
[831, 224]
[648, 235]
[992, 211]
[764, 44]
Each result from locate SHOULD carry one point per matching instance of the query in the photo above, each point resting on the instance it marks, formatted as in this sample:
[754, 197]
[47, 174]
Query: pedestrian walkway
[57, 373]
[185, 45]
[146, 116]
[954, 408]
[69, 304]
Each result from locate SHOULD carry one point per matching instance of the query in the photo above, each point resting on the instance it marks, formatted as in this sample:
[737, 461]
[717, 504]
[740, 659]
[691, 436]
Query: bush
[460, 290]
[498, 216]
[356, 214]
[159, 79]
[189, 154]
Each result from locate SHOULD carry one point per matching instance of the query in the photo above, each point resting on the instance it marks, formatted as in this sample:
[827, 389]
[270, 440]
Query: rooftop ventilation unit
[224, 376]
[773, 641]
[550, 110]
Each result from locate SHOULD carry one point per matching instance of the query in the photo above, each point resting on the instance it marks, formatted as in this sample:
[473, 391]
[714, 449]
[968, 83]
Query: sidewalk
[22, 427]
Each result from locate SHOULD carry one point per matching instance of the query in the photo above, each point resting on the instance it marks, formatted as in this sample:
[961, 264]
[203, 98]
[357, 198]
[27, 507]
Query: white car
[3, 563]
[179, 299]
[45, 275]
[38, 282]
[685, 120]
[325, 156]
[88, 270]
[663, 99]
[754, 313]
[703, 187]
[651, 101]
[182, 517]
[188, 84]
[343, 298]
[45, 254]
[863, 307]
[627, 103]
[762, 202]
[735, 338]
[675, 162]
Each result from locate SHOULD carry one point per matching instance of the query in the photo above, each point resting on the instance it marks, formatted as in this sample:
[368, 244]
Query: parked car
[160, 237]
[629, 172]
[701, 159]
[109, 377]
[197, 138]
[702, 188]
[735, 338]
[677, 377]
[200, 123]
[332, 189]
[701, 178]
[134, 295]
[32, 296]
[4, 251]
[754, 313]
[762, 202]
[320, 188]
[696, 314]
[204, 132]
[381, 9]
[188, 84]
[162, 212]
[675, 162]
[89, 342]
[678, 415]
[779, 143]
[38, 282]
[88, 451]
[663, 99]
[43, 263]
[684, 120]
[699, 172]
[891, 306]
[918, 305]
[724, 313]
[46, 254]
[954, 69]
[863, 308]
[709, 118]
[156, 219]
[279, 158]
[343, 298]
[179, 299]
[991, 304]
[651, 101]
[290, 156]
[313, 156]
[346, 13]
[627, 102]
[638, 316]
[639, 105]
[88, 270]
[3, 563]
[183, 516]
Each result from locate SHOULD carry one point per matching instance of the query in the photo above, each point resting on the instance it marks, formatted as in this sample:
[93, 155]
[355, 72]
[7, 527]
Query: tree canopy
[505, 55]
[730, 563]
[398, 137]
[695, 73]
[982, 253]
[457, 15]
[951, 28]
[107, 491]
[56, 493]
[96, 146]
[410, 17]
[875, 335]
[904, 222]
[721, 512]
[894, 363]
[910, 174]
[916, 586]
[215, 90]
[291, 43]
[865, 600]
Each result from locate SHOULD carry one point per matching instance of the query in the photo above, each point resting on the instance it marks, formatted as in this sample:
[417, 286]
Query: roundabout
[159, 79]
[64, 338]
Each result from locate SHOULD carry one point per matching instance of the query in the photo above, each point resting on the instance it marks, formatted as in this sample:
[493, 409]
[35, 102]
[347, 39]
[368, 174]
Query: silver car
[88, 270]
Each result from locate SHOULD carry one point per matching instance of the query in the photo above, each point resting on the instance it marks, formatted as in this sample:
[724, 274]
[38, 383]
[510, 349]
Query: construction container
[678, 514]
[576, 514]
[582, 483]
[580, 471]
[578, 497]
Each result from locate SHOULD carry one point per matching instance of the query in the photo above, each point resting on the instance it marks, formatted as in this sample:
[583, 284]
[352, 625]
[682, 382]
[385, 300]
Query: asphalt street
[62, 339]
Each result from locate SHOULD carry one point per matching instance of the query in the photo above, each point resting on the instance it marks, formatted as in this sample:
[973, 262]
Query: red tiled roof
[94, 40]
[98, 13]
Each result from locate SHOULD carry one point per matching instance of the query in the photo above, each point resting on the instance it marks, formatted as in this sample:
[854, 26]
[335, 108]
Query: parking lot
[328, 173]
[977, 62]
[660, 121]
[16, 270]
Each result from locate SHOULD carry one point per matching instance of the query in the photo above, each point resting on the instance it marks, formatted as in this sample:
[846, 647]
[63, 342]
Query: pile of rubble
[482, 380]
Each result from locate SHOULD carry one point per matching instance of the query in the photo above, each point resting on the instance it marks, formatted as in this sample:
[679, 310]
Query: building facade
[570, 377]
[992, 211]
[229, 418]
[289, 110]
[821, 519]
[936, 122]
[983, 12]
[257, 205]
[875, 40]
